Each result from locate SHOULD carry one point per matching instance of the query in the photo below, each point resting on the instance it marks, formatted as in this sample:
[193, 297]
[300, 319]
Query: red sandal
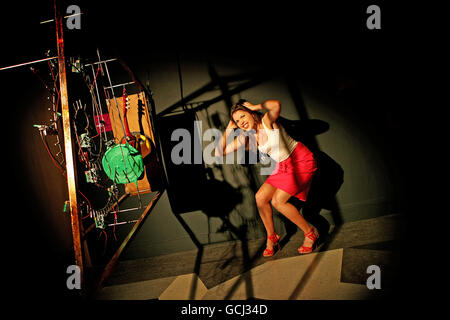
[313, 235]
[275, 238]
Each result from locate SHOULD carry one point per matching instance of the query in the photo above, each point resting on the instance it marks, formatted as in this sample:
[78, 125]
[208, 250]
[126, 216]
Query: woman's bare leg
[280, 202]
[263, 197]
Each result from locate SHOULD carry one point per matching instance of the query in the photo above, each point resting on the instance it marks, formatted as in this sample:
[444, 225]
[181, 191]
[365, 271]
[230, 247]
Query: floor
[237, 270]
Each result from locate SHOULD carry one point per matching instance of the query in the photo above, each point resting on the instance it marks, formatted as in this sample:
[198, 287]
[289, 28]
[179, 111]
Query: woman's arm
[222, 147]
[273, 108]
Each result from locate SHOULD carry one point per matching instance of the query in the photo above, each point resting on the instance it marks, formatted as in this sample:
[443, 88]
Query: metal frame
[76, 225]
[68, 146]
[115, 258]
[138, 223]
[80, 250]
[28, 63]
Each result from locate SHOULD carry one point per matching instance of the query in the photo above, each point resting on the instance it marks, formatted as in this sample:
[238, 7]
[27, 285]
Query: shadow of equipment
[219, 198]
[153, 170]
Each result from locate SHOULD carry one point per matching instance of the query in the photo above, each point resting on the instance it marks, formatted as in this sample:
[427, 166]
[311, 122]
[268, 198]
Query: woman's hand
[222, 147]
[253, 107]
[231, 125]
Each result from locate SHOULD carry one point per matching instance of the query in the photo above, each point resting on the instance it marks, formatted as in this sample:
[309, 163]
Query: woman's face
[244, 120]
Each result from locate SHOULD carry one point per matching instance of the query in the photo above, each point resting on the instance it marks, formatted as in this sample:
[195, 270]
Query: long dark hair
[239, 106]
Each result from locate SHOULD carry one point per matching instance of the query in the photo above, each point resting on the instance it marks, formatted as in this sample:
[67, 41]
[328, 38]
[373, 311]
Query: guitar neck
[127, 129]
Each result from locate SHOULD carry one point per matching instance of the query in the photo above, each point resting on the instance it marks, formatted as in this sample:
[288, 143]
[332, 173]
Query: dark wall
[332, 69]
[39, 234]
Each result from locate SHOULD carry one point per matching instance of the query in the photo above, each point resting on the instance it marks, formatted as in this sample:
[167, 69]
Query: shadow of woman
[216, 199]
[219, 198]
[326, 182]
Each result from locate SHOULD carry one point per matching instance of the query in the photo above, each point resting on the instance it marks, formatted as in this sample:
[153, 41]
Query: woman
[292, 175]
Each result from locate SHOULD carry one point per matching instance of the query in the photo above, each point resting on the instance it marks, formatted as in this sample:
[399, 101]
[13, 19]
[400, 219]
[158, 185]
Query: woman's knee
[278, 202]
[261, 199]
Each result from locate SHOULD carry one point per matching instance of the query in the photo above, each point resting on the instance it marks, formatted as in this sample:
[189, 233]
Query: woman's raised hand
[231, 125]
[253, 107]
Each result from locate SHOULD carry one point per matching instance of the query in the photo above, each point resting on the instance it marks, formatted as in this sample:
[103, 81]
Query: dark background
[277, 34]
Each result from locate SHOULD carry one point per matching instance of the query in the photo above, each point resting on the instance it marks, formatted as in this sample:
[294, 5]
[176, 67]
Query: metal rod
[125, 210]
[115, 100]
[65, 17]
[112, 263]
[99, 62]
[27, 63]
[120, 223]
[91, 227]
[100, 105]
[120, 85]
[69, 146]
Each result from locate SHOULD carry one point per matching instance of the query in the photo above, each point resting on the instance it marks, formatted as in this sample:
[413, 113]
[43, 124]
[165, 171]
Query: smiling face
[244, 120]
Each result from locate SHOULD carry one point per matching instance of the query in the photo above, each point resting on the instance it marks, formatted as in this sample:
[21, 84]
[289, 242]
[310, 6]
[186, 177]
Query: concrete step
[355, 263]
[234, 270]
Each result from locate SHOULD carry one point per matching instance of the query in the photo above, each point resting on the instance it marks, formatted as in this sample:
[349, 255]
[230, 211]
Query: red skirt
[294, 175]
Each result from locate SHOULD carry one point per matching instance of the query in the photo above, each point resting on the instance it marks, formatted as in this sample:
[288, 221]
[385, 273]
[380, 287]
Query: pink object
[107, 122]
[294, 175]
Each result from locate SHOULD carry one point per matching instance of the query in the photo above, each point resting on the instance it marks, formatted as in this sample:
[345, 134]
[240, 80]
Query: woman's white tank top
[279, 144]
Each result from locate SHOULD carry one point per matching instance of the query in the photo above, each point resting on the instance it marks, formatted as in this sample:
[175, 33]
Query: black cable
[183, 105]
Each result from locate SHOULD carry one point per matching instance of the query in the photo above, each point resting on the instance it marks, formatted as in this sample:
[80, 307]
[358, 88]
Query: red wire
[82, 153]
[54, 161]
[57, 101]
[98, 133]
[54, 84]
[114, 228]
[95, 78]
[53, 77]
[64, 174]
[90, 207]
[57, 165]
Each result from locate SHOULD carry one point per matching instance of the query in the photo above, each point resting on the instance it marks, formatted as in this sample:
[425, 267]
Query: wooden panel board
[132, 116]
[138, 123]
